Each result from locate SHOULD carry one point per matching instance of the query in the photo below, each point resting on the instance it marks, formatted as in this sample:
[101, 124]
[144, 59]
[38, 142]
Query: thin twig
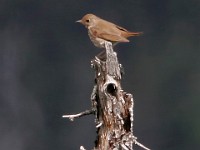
[141, 145]
[72, 117]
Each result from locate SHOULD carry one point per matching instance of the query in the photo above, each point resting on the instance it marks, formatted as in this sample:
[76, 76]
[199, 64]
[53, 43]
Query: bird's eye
[88, 20]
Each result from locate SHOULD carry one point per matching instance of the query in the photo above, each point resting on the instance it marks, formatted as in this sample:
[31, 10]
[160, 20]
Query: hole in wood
[111, 89]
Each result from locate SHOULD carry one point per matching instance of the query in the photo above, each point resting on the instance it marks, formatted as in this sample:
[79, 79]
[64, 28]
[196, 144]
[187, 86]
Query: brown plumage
[100, 30]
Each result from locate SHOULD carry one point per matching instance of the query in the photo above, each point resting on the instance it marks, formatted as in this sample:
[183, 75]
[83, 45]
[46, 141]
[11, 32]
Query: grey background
[45, 72]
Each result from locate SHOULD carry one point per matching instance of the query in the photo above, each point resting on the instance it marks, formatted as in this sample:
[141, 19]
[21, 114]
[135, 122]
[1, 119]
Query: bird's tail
[135, 33]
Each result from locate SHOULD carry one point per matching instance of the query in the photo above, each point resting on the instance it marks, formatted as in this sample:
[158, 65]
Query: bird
[101, 31]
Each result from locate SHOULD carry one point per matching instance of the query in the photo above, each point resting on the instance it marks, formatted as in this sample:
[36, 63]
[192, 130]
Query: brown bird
[100, 30]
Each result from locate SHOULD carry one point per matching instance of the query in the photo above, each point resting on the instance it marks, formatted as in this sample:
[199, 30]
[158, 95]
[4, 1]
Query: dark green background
[45, 72]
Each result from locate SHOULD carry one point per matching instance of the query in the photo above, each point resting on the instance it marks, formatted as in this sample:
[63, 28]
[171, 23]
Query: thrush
[100, 31]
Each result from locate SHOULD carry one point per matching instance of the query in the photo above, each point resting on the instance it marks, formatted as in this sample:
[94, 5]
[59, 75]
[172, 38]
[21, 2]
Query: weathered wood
[114, 107]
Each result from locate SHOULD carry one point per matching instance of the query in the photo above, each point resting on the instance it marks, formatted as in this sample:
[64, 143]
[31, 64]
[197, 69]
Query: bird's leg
[102, 55]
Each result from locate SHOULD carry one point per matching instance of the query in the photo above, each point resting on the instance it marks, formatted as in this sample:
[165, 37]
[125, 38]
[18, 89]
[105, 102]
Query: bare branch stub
[114, 107]
[73, 116]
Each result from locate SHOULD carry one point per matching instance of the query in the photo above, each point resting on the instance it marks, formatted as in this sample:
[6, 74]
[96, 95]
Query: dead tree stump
[113, 108]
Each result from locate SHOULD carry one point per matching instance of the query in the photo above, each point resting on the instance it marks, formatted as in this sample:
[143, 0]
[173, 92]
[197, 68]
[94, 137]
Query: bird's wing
[121, 28]
[127, 33]
[113, 38]
[107, 36]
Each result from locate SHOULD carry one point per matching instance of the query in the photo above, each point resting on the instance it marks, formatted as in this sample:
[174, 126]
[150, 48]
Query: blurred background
[45, 72]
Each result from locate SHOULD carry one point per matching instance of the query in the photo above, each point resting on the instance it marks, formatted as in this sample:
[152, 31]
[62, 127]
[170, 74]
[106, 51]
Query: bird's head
[88, 20]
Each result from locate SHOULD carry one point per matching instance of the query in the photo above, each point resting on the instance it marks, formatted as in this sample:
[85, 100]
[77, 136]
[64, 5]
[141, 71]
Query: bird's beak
[79, 21]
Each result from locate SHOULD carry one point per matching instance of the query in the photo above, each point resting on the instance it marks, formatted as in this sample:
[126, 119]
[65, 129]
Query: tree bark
[114, 107]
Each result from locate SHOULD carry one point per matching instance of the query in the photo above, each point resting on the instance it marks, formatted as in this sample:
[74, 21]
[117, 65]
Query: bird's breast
[98, 42]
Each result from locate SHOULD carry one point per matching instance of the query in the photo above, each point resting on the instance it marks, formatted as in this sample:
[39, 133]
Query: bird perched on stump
[100, 30]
